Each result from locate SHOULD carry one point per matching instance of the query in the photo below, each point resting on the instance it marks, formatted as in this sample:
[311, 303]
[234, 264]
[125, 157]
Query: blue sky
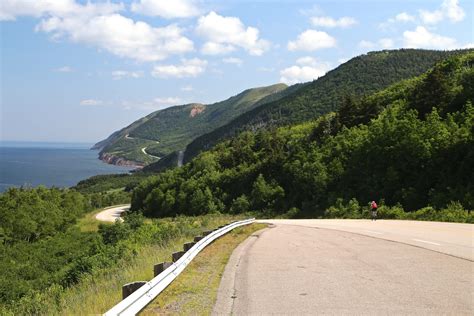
[78, 70]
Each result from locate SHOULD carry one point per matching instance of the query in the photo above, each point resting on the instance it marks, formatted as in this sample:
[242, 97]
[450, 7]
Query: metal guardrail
[145, 294]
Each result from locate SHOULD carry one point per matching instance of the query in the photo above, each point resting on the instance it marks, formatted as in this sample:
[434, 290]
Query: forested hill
[411, 145]
[165, 131]
[361, 75]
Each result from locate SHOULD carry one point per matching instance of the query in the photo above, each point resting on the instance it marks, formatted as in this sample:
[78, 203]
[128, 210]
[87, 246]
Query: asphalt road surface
[302, 267]
[113, 213]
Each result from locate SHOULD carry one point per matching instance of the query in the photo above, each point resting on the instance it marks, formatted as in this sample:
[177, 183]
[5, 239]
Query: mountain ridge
[361, 75]
[165, 131]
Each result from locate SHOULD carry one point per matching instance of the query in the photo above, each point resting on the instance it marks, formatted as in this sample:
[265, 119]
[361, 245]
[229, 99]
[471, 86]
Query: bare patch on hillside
[197, 109]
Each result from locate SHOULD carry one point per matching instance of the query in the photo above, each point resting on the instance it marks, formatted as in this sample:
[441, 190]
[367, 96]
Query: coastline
[56, 165]
[119, 161]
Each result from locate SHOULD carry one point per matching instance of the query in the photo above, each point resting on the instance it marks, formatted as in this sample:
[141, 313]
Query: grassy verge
[194, 292]
[100, 290]
[97, 294]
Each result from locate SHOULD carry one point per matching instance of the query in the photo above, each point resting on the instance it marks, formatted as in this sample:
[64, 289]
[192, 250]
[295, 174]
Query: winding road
[144, 151]
[113, 213]
[303, 267]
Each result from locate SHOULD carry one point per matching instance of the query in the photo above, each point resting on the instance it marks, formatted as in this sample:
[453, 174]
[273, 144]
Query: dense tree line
[411, 144]
[362, 75]
[108, 182]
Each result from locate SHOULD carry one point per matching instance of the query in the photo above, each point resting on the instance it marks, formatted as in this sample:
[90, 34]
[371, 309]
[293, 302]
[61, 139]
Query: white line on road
[373, 232]
[427, 242]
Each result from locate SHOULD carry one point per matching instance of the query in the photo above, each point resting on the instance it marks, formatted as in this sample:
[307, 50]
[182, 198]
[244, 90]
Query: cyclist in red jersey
[373, 210]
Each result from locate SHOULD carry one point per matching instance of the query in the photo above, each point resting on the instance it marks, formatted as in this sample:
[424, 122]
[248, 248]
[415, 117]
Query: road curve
[350, 267]
[113, 213]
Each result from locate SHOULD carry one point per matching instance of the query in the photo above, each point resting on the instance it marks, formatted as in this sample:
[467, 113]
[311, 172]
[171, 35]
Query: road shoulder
[227, 292]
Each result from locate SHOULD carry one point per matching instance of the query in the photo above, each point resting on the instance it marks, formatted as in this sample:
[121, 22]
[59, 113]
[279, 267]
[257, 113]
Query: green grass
[100, 290]
[194, 291]
[97, 294]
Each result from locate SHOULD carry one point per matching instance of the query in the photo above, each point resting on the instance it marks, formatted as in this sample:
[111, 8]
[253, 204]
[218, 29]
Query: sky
[76, 71]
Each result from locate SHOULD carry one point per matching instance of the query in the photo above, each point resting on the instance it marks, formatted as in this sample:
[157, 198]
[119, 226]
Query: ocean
[49, 164]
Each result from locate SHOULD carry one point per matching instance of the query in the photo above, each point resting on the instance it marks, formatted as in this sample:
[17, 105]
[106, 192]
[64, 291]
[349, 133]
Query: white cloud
[307, 69]
[311, 40]
[121, 36]
[188, 68]
[422, 38]
[326, 21]
[211, 48]
[233, 60]
[64, 69]
[223, 34]
[121, 74]
[91, 102]
[99, 25]
[399, 18]
[404, 17]
[449, 9]
[431, 17]
[166, 8]
[453, 11]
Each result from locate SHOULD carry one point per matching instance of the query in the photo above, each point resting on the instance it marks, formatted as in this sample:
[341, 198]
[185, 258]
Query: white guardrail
[145, 294]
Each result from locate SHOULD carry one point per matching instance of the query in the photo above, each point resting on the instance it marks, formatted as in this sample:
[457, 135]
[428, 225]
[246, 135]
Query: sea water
[49, 164]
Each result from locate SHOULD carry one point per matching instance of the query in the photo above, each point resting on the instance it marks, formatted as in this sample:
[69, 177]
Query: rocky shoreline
[119, 161]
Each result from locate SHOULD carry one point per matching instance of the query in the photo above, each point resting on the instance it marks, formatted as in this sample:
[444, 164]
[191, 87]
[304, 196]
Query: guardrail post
[177, 255]
[129, 288]
[188, 246]
[160, 267]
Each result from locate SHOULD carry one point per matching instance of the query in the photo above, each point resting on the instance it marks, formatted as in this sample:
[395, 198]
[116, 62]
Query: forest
[396, 146]
[362, 75]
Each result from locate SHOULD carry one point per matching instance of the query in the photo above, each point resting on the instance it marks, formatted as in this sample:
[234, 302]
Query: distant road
[351, 267]
[144, 151]
[112, 213]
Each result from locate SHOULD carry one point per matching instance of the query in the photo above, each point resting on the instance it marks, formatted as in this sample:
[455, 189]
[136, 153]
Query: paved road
[112, 213]
[351, 267]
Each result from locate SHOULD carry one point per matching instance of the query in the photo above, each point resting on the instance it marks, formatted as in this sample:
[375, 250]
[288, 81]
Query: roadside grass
[101, 290]
[88, 223]
[97, 294]
[194, 291]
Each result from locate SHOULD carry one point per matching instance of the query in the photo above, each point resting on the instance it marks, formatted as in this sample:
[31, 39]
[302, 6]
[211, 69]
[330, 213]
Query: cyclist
[373, 210]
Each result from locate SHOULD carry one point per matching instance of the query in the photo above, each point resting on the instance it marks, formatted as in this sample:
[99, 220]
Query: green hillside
[169, 130]
[360, 76]
[396, 146]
